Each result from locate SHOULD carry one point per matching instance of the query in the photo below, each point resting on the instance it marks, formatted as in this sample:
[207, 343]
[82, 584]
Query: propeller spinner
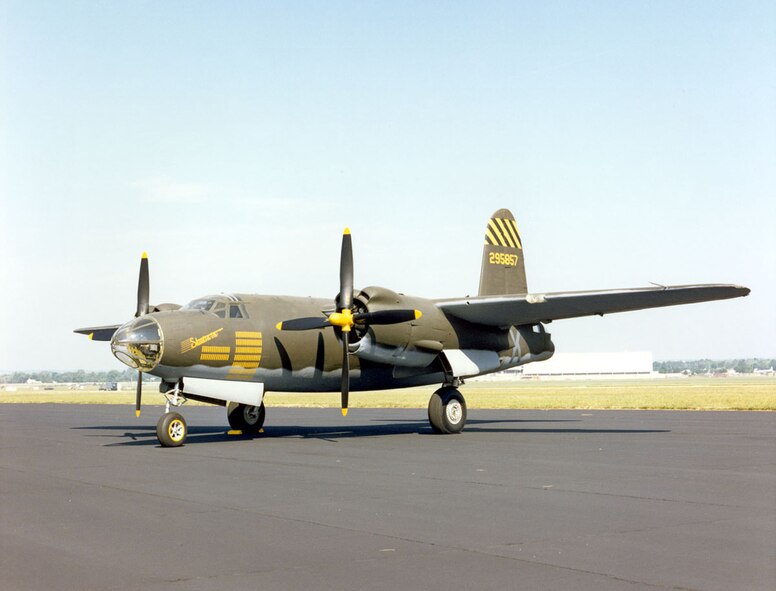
[345, 318]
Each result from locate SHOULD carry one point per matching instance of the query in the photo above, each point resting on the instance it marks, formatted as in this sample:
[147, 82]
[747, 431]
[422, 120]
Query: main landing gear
[447, 410]
[248, 419]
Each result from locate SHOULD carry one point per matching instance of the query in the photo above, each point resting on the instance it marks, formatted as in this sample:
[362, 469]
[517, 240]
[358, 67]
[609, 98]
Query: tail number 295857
[502, 258]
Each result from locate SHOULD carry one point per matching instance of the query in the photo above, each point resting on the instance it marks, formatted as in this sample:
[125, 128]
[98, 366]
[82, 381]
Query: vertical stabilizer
[503, 265]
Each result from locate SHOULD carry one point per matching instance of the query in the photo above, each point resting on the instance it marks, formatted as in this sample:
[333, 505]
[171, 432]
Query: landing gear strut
[248, 419]
[447, 410]
[171, 430]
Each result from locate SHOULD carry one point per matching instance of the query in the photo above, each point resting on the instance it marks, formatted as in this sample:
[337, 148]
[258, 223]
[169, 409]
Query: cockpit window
[221, 306]
[203, 305]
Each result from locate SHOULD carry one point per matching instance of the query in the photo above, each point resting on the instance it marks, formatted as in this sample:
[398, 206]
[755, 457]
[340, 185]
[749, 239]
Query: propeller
[139, 393]
[142, 287]
[345, 318]
[142, 309]
[345, 321]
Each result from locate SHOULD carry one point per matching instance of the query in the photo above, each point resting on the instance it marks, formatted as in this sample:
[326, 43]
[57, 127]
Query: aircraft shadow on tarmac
[134, 435]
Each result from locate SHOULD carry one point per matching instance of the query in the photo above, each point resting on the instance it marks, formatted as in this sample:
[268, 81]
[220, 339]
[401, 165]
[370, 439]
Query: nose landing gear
[171, 429]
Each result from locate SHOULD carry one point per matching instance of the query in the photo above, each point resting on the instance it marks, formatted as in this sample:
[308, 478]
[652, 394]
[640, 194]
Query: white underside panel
[466, 363]
[250, 393]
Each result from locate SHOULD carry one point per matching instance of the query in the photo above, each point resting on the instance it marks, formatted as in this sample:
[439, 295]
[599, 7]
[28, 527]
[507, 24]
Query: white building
[637, 364]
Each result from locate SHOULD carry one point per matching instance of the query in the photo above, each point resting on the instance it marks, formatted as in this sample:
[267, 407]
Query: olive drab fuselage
[198, 343]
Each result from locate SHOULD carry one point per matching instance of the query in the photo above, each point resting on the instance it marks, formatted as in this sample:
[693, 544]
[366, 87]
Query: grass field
[696, 393]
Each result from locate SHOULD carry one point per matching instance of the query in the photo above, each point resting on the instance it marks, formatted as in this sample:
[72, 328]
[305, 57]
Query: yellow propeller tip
[418, 314]
[279, 326]
[344, 412]
[347, 231]
[137, 413]
[91, 336]
[145, 255]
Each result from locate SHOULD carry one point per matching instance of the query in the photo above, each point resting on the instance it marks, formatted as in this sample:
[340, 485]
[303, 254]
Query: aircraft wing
[99, 333]
[508, 310]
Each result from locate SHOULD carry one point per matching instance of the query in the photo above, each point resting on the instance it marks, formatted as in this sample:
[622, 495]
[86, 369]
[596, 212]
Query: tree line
[78, 376]
[713, 365]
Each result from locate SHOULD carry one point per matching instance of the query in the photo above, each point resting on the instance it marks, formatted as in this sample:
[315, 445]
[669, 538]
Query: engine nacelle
[407, 344]
[527, 344]
[473, 349]
[402, 356]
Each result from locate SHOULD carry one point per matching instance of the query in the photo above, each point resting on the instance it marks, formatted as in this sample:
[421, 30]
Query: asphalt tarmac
[521, 499]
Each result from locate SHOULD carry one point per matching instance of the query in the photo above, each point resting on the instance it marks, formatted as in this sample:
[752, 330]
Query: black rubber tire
[447, 411]
[435, 413]
[246, 418]
[171, 430]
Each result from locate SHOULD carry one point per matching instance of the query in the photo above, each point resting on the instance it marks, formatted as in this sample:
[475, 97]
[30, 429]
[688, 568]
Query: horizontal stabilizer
[99, 333]
[514, 310]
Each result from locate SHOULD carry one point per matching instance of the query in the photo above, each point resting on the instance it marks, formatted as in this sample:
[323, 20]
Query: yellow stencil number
[502, 258]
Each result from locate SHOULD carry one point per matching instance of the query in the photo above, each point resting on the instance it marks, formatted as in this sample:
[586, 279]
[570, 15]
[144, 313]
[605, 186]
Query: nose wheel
[171, 430]
[447, 410]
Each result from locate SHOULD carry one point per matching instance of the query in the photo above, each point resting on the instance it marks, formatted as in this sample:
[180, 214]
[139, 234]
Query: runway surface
[522, 499]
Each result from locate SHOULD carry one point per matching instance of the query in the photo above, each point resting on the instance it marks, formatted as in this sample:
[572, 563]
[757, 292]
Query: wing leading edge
[515, 310]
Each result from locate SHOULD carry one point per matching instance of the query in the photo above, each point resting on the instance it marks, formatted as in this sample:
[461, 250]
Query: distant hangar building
[637, 364]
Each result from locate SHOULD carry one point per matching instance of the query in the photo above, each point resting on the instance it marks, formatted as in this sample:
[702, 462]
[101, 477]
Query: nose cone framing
[139, 343]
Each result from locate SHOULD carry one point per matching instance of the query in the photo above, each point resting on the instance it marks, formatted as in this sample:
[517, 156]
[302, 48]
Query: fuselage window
[220, 310]
[235, 311]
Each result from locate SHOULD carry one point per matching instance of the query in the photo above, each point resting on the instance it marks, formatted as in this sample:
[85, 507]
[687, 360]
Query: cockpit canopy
[223, 306]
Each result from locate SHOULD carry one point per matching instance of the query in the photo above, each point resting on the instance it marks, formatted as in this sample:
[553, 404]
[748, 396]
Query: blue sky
[233, 141]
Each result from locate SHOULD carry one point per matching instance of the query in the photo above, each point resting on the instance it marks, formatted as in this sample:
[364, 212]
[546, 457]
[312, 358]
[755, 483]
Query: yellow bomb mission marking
[247, 355]
[192, 343]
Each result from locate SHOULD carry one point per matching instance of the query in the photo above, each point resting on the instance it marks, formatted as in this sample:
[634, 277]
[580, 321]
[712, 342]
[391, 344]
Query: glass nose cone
[138, 343]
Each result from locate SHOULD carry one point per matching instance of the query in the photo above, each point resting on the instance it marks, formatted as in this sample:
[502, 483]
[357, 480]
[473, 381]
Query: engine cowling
[407, 344]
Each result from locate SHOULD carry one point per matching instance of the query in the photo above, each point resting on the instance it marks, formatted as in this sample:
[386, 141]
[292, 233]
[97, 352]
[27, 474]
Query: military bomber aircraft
[230, 349]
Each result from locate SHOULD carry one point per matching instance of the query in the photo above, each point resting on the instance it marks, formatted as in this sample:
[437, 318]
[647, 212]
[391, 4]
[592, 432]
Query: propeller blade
[346, 272]
[139, 392]
[345, 372]
[142, 287]
[387, 316]
[304, 323]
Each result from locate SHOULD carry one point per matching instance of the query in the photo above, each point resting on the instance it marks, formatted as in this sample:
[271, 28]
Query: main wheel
[447, 411]
[171, 430]
[248, 419]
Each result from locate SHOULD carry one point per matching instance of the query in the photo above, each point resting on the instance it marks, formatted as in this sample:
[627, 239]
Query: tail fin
[503, 265]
